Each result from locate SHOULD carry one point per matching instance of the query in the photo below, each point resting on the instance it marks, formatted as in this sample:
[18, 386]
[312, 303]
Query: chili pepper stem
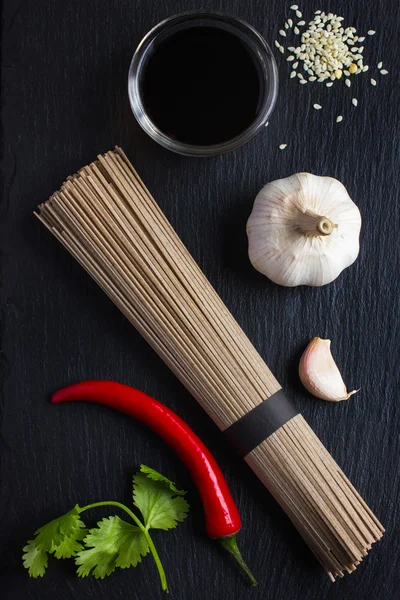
[230, 544]
[134, 518]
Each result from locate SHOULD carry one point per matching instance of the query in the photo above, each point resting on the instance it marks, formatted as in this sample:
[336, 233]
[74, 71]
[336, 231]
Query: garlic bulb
[303, 230]
[319, 373]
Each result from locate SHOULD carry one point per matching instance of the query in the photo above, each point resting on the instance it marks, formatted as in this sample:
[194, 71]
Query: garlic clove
[319, 373]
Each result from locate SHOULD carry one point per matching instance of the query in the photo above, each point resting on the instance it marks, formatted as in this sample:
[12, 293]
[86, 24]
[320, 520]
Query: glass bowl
[256, 45]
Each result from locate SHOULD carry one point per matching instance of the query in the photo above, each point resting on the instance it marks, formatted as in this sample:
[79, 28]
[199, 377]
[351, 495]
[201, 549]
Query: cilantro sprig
[113, 543]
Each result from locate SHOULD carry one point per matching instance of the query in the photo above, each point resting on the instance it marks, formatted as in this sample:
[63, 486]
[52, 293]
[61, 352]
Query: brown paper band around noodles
[261, 422]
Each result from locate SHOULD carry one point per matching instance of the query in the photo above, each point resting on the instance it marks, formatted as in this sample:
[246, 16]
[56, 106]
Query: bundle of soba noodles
[107, 219]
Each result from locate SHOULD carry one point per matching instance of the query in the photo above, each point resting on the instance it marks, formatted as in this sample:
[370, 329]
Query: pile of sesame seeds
[328, 51]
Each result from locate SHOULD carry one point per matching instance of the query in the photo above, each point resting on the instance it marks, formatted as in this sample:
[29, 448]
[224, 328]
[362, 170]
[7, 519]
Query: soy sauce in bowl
[202, 86]
[202, 83]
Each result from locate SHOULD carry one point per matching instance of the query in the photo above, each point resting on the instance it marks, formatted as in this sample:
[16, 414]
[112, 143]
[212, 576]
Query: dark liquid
[201, 86]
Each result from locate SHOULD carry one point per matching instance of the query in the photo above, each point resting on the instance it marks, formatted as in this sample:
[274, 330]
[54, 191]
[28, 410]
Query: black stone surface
[64, 99]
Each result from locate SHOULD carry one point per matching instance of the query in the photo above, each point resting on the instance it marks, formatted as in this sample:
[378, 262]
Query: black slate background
[64, 100]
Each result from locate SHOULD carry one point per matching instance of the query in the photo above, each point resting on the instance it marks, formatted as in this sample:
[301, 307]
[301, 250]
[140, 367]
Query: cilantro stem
[145, 532]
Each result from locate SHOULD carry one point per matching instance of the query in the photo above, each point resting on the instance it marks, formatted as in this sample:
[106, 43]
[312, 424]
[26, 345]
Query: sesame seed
[329, 84]
[298, 14]
[365, 68]
[317, 106]
[373, 82]
[301, 23]
[361, 39]
[295, 64]
[347, 73]
[379, 65]
[292, 74]
[296, 30]
[277, 44]
[290, 22]
[303, 81]
[282, 49]
[348, 82]
[354, 102]
[384, 72]
[352, 68]
[282, 33]
[290, 58]
[339, 119]
[286, 25]
[312, 78]
[294, 7]
[282, 146]
[317, 12]
[371, 32]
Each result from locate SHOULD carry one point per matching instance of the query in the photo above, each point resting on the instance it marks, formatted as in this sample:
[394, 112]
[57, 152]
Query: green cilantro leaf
[162, 506]
[34, 559]
[61, 537]
[156, 476]
[113, 543]
[53, 534]
[70, 545]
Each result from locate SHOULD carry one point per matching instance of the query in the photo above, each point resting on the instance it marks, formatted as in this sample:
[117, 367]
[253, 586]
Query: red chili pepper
[222, 516]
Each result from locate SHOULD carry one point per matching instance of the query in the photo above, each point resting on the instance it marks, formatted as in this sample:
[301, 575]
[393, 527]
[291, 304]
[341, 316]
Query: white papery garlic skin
[303, 230]
[319, 373]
